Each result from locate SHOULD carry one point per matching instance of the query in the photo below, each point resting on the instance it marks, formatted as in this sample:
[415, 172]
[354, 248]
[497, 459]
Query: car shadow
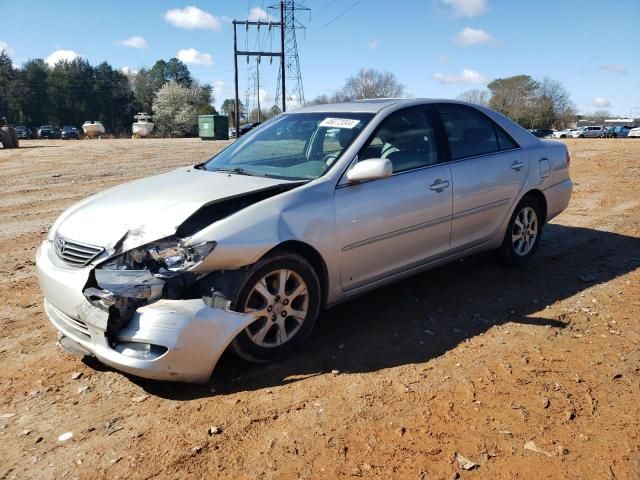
[423, 317]
[37, 146]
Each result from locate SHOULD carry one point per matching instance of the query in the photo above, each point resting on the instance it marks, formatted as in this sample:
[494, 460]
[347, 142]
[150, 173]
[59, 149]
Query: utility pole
[258, 88]
[237, 53]
[290, 69]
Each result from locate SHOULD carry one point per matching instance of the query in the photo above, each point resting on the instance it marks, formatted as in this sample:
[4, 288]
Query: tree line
[532, 103]
[543, 103]
[72, 92]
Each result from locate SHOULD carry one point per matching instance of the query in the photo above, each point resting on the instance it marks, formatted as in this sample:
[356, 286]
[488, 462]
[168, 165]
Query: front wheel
[523, 234]
[282, 293]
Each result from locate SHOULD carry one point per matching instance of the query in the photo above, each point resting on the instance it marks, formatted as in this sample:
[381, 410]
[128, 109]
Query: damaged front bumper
[179, 340]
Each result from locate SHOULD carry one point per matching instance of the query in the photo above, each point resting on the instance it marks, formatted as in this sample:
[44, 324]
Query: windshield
[296, 146]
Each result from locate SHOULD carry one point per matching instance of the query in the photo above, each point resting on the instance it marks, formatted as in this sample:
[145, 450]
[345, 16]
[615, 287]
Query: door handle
[517, 165]
[439, 185]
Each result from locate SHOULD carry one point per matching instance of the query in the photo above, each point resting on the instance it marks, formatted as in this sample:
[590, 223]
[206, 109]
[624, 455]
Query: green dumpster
[213, 127]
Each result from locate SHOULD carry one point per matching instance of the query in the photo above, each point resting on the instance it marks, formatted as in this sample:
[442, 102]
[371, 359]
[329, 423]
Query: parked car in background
[48, 131]
[23, 132]
[542, 132]
[68, 133]
[588, 132]
[561, 133]
[618, 132]
[247, 127]
[232, 132]
[159, 277]
[634, 133]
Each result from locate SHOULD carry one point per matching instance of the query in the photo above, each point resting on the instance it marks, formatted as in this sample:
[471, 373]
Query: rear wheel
[14, 137]
[282, 293]
[523, 234]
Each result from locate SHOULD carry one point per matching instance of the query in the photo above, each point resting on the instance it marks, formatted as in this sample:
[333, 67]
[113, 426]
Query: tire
[276, 333]
[519, 252]
[14, 138]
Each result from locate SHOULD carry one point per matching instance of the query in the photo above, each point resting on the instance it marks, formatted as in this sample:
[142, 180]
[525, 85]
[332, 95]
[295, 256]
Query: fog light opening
[138, 350]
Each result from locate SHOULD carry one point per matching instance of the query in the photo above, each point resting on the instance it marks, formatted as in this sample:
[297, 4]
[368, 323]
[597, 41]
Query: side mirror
[370, 169]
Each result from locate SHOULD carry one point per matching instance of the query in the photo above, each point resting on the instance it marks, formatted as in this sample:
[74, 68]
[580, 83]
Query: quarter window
[407, 138]
[505, 142]
[471, 133]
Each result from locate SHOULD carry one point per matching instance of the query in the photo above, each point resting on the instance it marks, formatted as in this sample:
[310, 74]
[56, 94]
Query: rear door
[393, 224]
[488, 170]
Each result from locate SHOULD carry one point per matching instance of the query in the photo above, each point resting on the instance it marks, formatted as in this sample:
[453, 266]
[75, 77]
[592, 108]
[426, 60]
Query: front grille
[75, 253]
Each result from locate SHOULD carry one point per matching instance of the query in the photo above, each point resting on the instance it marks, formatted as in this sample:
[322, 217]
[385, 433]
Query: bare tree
[532, 103]
[320, 100]
[552, 105]
[369, 83]
[476, 95]
[599, 116]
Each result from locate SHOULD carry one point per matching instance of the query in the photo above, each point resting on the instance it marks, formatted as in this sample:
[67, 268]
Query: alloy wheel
[525, 231]
[279, 302]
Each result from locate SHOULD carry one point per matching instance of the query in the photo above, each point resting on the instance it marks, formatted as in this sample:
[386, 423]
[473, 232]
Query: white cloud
[600, 102]
[467, 8]
[472, 36]
[615, 67]
[192, 18]
[133, 42]
[219, 88]
[61, 54]
[258, 14]
[466, 76]
[128, 71]
[194, 57]
[4, 47]
[374, 44]
[442, 59]
[265, 97]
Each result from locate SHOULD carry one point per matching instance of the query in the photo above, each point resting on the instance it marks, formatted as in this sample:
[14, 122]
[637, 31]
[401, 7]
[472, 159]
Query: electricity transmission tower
[291, 75]
[254, 90]
[292, 96]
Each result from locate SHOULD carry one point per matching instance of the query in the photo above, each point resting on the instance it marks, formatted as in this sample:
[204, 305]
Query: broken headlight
[162, 256]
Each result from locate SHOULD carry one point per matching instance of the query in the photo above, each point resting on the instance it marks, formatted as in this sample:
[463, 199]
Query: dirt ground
[472, 358]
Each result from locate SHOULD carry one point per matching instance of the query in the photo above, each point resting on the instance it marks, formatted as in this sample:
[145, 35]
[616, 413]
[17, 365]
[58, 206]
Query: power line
[339, 16]
[327, 6]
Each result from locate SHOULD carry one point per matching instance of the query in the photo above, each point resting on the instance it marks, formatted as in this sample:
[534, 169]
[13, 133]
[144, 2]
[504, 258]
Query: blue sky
[437, 48]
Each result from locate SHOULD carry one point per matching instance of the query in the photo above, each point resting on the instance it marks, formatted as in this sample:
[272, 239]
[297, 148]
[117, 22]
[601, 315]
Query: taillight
[568, 158]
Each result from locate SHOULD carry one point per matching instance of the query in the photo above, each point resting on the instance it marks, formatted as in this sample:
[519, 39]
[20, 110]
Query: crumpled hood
[151, 208]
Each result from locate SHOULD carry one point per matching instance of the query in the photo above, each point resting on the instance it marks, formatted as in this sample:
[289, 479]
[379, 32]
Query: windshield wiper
[240, 171]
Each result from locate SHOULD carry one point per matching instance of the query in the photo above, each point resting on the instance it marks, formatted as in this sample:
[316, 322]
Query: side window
[505, 142]
[407, 138]
[469, 132]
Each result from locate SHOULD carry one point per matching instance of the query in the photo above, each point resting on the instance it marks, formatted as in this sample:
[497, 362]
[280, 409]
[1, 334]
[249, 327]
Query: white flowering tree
[173, 111]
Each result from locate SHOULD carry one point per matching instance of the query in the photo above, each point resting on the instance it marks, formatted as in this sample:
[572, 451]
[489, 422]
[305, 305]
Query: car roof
[370, 105]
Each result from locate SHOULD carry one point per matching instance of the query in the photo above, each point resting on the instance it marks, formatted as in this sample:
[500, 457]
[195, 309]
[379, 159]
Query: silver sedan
[160, 276]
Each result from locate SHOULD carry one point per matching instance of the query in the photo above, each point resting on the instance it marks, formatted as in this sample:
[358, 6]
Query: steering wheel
[329, 158]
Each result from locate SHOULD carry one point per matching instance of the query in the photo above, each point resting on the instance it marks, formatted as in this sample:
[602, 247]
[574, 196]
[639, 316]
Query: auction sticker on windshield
[339, 123]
